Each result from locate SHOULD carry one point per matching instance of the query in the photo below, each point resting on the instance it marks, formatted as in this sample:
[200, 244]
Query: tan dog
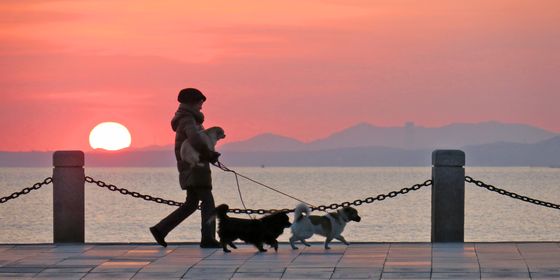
[210, 136]
[330, 225]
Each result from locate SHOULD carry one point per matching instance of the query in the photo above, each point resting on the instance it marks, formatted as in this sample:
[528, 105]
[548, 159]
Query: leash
[226, 169]
[240, 195]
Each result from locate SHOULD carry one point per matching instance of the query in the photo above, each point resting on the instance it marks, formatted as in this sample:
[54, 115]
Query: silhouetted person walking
[197, 181]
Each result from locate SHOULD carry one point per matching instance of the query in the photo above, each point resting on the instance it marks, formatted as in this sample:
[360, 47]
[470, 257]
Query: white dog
[210, 136]
[330, 225]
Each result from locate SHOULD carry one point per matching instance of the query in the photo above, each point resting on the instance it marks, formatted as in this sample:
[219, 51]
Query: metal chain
[481, 184]
[35, 186]
[124, 191]
[333, 206]
[372, 199]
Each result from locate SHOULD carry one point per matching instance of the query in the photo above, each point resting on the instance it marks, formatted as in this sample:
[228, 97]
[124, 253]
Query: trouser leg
[180, 214]
[208, 219]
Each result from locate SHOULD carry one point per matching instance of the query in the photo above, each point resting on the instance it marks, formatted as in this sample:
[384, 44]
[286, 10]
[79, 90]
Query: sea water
[113, 217]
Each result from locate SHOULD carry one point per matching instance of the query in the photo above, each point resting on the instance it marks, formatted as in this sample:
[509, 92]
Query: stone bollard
[448, 196]
[68, 197]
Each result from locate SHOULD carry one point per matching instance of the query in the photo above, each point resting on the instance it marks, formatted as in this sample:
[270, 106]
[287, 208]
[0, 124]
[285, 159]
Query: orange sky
[302, 69]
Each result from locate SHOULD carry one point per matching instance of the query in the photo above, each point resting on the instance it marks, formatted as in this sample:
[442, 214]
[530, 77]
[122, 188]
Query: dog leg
[224, 247]
[341, 238]
[305, 242]
[274, 245]
[260, 247]
[327, 241]
[232, 245]
[292, 242]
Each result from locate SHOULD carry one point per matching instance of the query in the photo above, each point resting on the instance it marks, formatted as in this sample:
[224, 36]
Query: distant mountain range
[408, 137]
[485, 144]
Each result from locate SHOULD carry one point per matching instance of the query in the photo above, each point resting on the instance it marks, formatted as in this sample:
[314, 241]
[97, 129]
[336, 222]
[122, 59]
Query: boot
[208, 233]
[158, 236]
[210, 244]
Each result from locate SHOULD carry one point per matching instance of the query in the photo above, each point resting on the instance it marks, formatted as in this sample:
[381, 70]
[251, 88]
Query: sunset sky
[302, 68]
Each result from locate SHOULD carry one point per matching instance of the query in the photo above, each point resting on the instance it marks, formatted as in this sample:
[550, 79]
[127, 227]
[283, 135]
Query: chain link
[35, 186]
[333, 206]
[124, 191]
[372, 199]
[481, 184]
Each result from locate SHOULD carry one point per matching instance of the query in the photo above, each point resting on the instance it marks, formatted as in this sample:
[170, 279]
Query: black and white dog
[330, 225]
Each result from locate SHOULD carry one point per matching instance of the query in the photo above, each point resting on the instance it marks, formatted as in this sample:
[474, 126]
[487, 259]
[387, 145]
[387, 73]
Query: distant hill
[25, 159]
[544, 153]
[360, 156]
[410, 137]
[265, 142]
[486, 144]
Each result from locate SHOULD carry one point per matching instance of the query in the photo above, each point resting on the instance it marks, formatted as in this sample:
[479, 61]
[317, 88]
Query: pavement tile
[545, 275]
[66, 269]
[109, 275]
[469, 266]
[407, 266]
[454, 259]
[80, 262]
[257, 275]
[320, 250]
[11, 269]
[504, 275]
[453, 250]
[456, 275]
[307, 275]
[32, 261]
[174, 260]
[219, 263]
[194, 251]
[156, 275]
[503, 266]
[545, 268]
[141, 252]
[360, 264]
[15, 275]
[356, 273]
[400, 275]
[57, 275]
[4, 247]
[211, 270]
[258, 269]
[71, 248]
[35, 247]
[208, 274]
[120, 266]
[162, 268]
[538, 246]
[98, 253]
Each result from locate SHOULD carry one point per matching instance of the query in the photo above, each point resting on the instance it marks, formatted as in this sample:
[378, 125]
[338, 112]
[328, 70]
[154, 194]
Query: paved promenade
[357, 261]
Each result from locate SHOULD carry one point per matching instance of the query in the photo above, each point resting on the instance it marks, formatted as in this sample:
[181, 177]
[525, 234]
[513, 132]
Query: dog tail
[300, 209]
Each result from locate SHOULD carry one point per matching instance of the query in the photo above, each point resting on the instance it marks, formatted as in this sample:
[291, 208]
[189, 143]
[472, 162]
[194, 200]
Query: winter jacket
[187, 124]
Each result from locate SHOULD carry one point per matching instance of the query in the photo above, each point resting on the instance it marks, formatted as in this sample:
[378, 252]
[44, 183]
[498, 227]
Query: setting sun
[110, 136]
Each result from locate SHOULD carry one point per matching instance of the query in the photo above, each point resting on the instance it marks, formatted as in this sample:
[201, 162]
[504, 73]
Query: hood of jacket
[183, 111]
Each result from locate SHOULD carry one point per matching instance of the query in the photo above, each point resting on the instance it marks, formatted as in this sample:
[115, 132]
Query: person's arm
[198, 140]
